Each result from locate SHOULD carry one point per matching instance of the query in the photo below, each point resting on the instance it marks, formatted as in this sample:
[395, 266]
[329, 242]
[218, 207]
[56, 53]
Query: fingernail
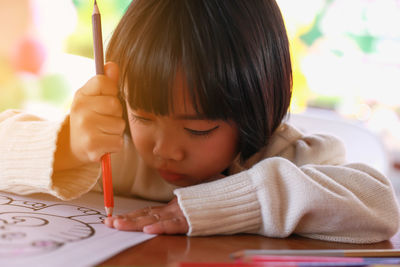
[148, 229]
[107, 222]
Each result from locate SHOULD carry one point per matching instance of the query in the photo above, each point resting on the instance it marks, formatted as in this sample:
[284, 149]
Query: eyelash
[201, 133]
[141, 119]
[195, 133]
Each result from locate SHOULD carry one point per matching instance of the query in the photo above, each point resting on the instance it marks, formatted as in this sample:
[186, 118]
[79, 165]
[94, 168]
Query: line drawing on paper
[30, 228]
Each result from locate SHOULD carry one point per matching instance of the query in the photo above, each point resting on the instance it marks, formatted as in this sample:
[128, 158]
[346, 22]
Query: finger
[111, 125]
[105, 105]
[145, 211]
[93, 124]
[109, 221]
[137, 224]
[99, 85]
[109, 144]
[137, 213]
[171, 226]
[97, 146]
[111, 70]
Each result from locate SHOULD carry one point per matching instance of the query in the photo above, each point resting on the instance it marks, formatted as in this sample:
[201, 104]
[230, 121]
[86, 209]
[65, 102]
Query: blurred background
[345, 54]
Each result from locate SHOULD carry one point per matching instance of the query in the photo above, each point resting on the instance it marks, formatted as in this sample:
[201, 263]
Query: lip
[170, 176]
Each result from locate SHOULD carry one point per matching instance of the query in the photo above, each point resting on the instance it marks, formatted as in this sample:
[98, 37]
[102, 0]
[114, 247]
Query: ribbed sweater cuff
[72, 184]
[26, 164]
[226, 206]
[29, 153]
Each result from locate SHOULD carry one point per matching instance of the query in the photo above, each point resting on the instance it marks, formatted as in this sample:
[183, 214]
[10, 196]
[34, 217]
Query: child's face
[184, 148]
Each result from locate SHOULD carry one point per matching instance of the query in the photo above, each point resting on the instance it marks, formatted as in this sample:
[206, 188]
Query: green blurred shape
[77, 3]
[312, 35]
[80, 43]
[12, 93]
[337, 52]
[365, 42]
[325, 102]
[315, 31]
[54, 88]
[123, 5]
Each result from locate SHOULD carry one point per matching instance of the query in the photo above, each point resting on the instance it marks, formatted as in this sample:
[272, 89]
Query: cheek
[226, 149]
[141, 138]
[217, 154]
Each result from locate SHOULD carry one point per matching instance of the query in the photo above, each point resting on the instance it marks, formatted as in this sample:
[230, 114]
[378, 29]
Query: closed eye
[201, 133]
[140, 118]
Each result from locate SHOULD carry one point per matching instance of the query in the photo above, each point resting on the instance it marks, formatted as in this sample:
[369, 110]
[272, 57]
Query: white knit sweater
[297, 184]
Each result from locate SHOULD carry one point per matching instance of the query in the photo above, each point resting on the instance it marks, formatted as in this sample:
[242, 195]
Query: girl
[191, 106]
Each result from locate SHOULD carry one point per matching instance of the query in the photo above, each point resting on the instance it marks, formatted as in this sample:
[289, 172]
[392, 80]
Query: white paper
[39, 230]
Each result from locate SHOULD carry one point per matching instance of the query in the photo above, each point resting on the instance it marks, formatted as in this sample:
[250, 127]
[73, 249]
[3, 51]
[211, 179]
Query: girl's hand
[167, 219]
[96, 123]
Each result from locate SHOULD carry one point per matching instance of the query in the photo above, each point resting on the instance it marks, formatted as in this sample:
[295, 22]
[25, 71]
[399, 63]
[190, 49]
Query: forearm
[275, 198]
[348, 203]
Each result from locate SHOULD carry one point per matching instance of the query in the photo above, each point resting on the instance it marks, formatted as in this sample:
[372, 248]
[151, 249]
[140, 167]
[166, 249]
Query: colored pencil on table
[293, 263]
[105, 159]
[319, 260]
[284, 258]
[321, 252]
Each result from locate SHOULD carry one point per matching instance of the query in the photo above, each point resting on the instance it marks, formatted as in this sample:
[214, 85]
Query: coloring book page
[39, 230]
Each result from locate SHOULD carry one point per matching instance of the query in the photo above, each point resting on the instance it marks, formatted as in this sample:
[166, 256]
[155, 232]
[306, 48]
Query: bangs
[149, 75]
[165, 41]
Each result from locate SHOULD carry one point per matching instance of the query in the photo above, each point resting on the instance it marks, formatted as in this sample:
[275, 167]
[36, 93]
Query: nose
[168, 147]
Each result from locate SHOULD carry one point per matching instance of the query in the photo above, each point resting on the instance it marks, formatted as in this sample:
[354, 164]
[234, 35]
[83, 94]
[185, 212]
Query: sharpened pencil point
[109, 211]
[95, 8]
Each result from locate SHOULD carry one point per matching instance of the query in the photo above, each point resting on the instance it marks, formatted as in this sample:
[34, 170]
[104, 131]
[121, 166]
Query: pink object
[29, 56]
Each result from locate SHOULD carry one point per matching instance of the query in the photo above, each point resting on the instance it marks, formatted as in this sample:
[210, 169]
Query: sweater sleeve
[27, 146]
[277, 197]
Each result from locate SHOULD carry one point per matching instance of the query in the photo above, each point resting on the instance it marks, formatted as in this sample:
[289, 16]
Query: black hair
[234, 55]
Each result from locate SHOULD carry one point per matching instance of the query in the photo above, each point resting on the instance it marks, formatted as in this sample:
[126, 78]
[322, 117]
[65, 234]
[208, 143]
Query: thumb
[111, 70]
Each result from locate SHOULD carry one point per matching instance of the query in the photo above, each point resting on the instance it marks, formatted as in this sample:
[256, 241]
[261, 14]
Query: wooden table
[164, 250]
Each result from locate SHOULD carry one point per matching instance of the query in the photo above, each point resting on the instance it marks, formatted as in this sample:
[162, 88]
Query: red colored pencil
[105, 159]
[299, 259]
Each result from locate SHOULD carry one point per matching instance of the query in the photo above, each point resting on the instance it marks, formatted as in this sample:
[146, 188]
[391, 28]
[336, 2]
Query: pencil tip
[109, 211]
[95, 8]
